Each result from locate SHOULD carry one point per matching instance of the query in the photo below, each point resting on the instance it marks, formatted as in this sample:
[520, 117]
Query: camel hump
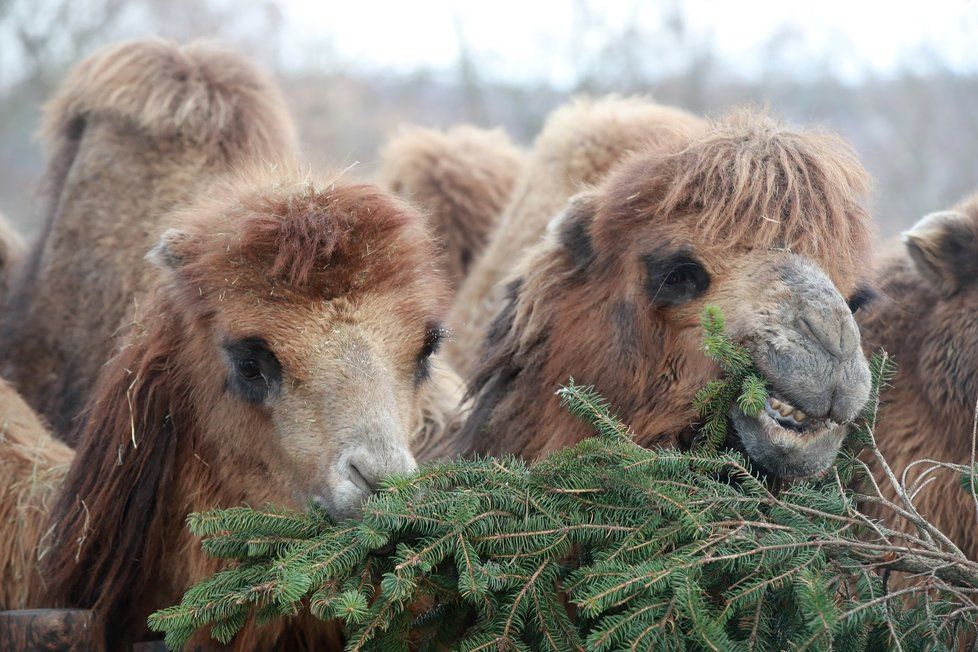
[580, 142]
[461, 177]
[211, 96]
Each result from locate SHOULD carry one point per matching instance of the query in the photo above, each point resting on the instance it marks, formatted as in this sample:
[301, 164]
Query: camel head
[310, 313]
[762, 221]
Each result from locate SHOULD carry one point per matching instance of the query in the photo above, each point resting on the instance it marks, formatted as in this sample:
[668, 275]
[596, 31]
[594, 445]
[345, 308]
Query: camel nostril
[361, 480]
[822, 337]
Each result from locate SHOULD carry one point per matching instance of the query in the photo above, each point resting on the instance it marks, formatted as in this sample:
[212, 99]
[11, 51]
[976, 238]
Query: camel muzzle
[804, 340]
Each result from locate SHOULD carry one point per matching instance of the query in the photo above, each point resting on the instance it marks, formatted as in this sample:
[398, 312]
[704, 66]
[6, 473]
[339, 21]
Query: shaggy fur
[578, 145]
[750, 200]
[926, 319]
[32, 467]
[462, 179]
[281, 258]
[135, 129]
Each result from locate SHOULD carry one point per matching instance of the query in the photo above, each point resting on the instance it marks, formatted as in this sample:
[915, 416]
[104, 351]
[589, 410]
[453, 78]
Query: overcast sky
[542, 39]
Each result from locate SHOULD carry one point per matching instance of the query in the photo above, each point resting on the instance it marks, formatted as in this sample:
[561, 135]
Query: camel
[925, 318]
[577, 146]
[278, 358]
[762, 221]
[462, 179]
[134, 130]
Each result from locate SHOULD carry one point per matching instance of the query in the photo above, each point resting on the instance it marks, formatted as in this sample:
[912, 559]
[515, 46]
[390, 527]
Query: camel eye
[255, 372]
[432, 341]
[249, 369]
[677, 276]
[861, 298]
[674, 278]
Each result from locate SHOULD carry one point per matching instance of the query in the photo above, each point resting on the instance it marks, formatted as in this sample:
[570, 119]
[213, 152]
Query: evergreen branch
[604, 546]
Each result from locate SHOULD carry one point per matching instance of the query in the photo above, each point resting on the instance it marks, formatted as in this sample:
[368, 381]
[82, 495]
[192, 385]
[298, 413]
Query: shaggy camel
[278, 358]
[926, 319]
[461, 177]
[134, 130]
[764, 222]
[577, 146]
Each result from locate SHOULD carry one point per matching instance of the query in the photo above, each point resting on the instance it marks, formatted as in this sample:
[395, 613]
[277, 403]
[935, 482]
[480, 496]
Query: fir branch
[603, 546]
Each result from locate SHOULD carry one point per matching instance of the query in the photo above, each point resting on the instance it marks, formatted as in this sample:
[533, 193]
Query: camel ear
[570, 228]
[944, 249]
[169, 251]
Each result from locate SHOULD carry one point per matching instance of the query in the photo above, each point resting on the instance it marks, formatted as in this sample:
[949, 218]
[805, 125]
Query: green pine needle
[602, 546]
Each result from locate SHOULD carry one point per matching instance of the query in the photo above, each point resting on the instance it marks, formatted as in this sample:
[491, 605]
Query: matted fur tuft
[578, 145]
[115, 491]
[202, 92]
[461, 177]
[753, 181]
[319, 236]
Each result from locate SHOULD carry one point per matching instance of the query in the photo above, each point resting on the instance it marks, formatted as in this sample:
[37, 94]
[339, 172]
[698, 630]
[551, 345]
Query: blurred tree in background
[914, 128]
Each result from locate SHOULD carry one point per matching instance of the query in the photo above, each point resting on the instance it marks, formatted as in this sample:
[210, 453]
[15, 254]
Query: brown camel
[579, 143]
[278, 358]
[927, 319]
[766, 223]
[462, 178]
[134, 130]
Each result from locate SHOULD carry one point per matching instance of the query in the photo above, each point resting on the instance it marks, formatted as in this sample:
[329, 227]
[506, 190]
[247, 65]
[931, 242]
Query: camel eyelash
[433, 338]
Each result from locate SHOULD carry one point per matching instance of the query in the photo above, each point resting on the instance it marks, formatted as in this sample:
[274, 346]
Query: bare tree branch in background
[914, 128]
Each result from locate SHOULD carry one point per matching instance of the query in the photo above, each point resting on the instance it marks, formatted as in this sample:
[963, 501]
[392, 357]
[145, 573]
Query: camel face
[333, 390]
[788, 313]
[311, 314]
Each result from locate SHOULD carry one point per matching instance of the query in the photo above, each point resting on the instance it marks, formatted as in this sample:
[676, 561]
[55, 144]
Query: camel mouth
[785, 442]
[790, 418]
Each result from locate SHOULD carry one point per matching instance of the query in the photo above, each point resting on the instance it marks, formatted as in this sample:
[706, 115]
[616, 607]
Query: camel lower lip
[788, 452]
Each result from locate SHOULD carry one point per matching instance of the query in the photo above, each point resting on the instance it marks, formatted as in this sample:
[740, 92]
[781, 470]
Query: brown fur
[926, 320]
[284, 258]
[12, 252]
[739, 196]
[578, 145]
[135, 129]
[462, 178]
[32, 467]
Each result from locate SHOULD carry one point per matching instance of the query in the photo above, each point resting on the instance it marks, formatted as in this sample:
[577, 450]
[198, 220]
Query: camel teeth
[775, 403]
[785, 410]
[799, 415]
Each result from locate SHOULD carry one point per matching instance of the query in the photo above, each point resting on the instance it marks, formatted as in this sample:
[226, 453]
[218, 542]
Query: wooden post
[46, 629]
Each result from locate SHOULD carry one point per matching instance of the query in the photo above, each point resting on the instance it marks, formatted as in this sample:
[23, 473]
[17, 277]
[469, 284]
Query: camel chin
[785, 446]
